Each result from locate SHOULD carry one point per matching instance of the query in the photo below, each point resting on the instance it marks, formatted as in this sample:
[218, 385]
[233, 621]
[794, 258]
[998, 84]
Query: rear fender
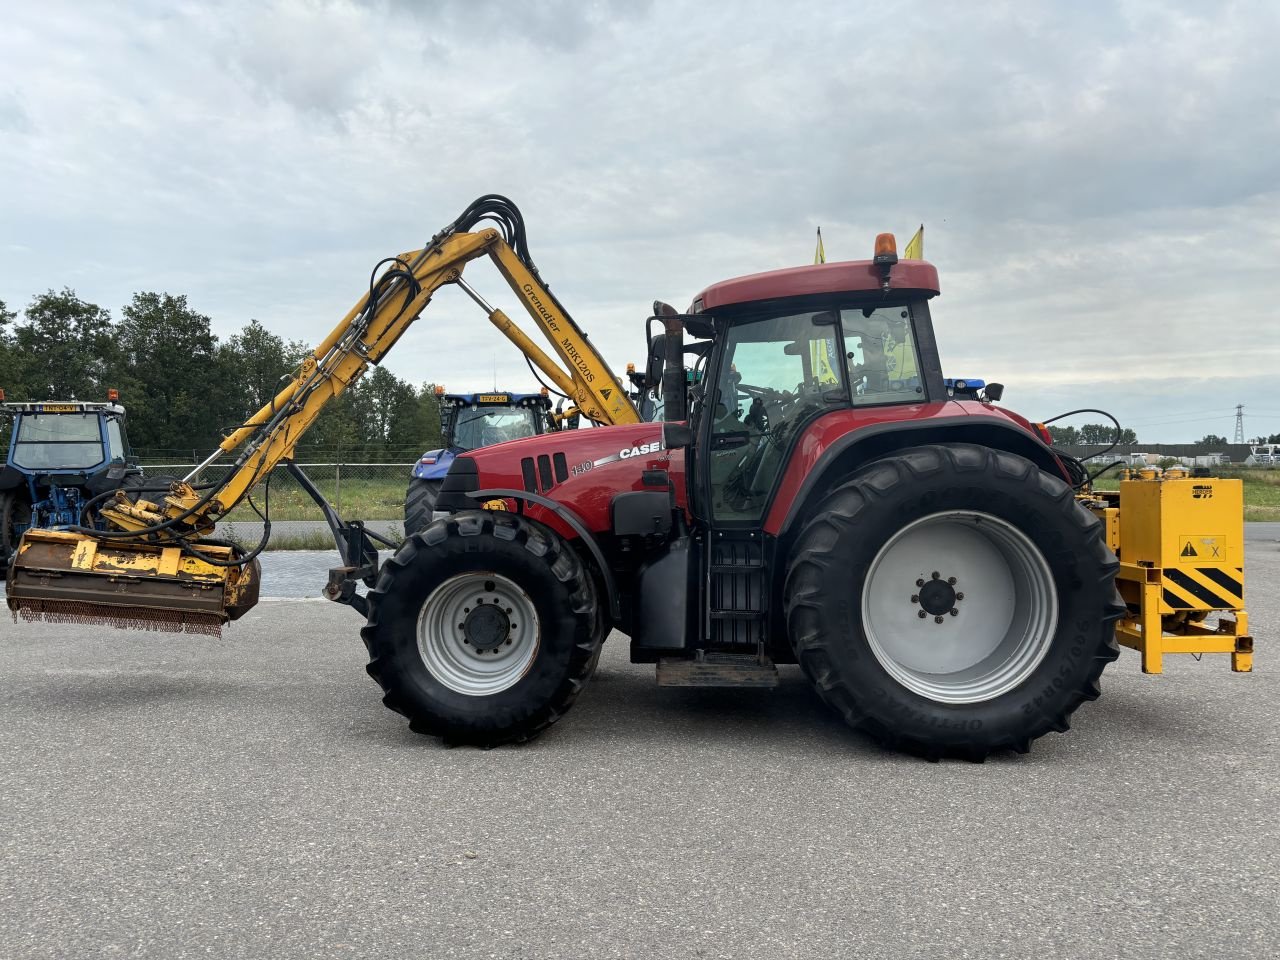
[798, 497]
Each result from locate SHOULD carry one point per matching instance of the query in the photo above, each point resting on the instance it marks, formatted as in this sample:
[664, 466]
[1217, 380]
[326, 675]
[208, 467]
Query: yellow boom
[155, 570]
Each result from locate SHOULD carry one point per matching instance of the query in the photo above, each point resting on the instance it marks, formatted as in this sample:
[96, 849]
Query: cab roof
[495, 397]
[845, 276]
[62, 406]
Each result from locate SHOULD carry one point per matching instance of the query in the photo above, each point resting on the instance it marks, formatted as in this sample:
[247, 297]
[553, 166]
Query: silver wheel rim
[959, 607]
[478, 633]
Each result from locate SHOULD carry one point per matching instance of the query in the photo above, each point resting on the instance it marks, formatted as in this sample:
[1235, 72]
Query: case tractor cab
[61, 457]
[469, 421]
[818, 494]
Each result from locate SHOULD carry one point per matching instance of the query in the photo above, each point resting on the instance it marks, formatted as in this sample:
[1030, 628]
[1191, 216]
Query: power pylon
[1239, 423]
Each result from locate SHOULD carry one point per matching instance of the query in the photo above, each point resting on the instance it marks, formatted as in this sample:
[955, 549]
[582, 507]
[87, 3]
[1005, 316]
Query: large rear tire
[482, 629]
[953, 601]
[420, 504]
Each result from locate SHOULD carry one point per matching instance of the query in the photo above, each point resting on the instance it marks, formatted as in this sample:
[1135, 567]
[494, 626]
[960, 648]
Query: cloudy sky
[1100, 183]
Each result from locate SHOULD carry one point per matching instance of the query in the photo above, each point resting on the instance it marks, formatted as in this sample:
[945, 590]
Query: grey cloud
[1088, 175]
[13, 116]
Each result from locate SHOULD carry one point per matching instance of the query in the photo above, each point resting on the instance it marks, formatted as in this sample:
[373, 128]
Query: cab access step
[718, 670]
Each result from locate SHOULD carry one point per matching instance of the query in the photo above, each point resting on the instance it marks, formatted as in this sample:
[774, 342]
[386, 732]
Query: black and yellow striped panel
[1203, 588]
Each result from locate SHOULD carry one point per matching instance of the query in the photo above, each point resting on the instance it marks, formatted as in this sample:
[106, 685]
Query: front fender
[441, 460]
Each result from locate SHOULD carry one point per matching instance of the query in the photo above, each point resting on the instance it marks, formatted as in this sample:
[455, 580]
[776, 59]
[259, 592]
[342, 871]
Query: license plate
[58, 408]
[494, 398]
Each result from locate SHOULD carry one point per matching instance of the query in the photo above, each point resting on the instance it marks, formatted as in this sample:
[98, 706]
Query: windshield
[489, 425]
[61, 441]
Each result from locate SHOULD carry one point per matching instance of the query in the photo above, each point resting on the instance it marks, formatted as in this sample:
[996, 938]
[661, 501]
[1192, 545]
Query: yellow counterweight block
[1181, 549]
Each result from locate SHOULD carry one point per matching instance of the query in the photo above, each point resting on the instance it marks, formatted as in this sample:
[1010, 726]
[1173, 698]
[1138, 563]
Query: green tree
[1096, 433]
[174, 386]
[12, 374]
[426, 425]
[256, 364]
[1064, 435]
[387, 403]
[1213, 440]
[337, 433]
[66, 346]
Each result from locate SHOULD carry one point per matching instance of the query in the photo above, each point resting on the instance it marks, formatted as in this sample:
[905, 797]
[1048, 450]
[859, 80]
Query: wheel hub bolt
[955, 612]
[937, 619]
[959, 596]
[951, 580]
[935, 575]
[921, 614]
[915, 598]
[919, 583]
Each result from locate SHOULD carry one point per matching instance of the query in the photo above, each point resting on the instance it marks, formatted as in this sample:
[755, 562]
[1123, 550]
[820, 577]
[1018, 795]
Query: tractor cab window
[775, 375]
[62, 441]
[880, 355]
[486, 426]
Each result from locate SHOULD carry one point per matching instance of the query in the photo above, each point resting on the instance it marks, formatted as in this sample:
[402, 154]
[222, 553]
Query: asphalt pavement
[176, 797]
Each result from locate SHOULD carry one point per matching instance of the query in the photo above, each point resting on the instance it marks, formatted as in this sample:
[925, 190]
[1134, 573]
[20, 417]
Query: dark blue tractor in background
[469, 421]
[61, 456]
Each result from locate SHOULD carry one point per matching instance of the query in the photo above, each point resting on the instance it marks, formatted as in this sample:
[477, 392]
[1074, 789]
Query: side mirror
[653, 365]
[676, 435]
[994, 392]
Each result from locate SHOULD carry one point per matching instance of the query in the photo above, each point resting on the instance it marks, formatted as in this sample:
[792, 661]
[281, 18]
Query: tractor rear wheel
[482, 629]
[952, 601]
[419, 504]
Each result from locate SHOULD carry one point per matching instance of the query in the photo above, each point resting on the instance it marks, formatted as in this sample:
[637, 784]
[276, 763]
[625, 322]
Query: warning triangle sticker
[1188, 551]
[606, 393]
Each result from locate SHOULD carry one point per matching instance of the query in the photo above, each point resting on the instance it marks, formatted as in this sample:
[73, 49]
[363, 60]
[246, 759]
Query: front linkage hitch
[355, 545]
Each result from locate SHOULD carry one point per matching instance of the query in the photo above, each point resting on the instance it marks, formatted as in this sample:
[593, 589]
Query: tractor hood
[581, 469]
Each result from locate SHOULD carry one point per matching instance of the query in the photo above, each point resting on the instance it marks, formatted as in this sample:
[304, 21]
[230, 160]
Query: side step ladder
[718, 670]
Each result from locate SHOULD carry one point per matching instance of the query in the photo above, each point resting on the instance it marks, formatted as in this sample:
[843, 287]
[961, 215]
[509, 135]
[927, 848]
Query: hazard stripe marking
[1222, 579]
[1197, 590]
[1176, 602]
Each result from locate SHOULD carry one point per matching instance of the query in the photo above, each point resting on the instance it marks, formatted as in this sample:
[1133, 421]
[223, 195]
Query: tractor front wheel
[419, 504]
[953, 600]
[482, 628]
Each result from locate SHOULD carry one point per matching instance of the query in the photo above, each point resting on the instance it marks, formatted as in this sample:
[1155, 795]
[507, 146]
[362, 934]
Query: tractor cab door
[772, 374]
[768, 377]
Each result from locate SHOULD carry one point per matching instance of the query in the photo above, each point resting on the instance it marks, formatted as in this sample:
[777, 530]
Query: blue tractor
[61, 457]
[469, 421]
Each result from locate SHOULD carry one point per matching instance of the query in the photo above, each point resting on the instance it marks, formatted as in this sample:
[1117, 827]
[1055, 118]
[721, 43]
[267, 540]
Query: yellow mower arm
[155, 569]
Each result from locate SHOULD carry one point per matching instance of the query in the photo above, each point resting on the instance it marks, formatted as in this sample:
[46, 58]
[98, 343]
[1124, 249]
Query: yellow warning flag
[819, 255]
[915, 248]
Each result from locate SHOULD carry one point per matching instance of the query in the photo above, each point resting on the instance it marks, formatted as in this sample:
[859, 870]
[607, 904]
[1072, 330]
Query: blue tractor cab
[61, 456]
[469, 421]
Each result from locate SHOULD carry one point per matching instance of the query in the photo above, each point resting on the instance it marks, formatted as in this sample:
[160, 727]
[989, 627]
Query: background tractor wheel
[482, 628]
[14, 508]
[419, 503]
[952, 601]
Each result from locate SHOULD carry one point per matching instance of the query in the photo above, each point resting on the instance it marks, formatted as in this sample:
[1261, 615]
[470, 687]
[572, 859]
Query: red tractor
[819, 496]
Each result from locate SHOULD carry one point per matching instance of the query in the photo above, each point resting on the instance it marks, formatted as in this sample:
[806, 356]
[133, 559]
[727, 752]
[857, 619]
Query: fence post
[337, 487]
